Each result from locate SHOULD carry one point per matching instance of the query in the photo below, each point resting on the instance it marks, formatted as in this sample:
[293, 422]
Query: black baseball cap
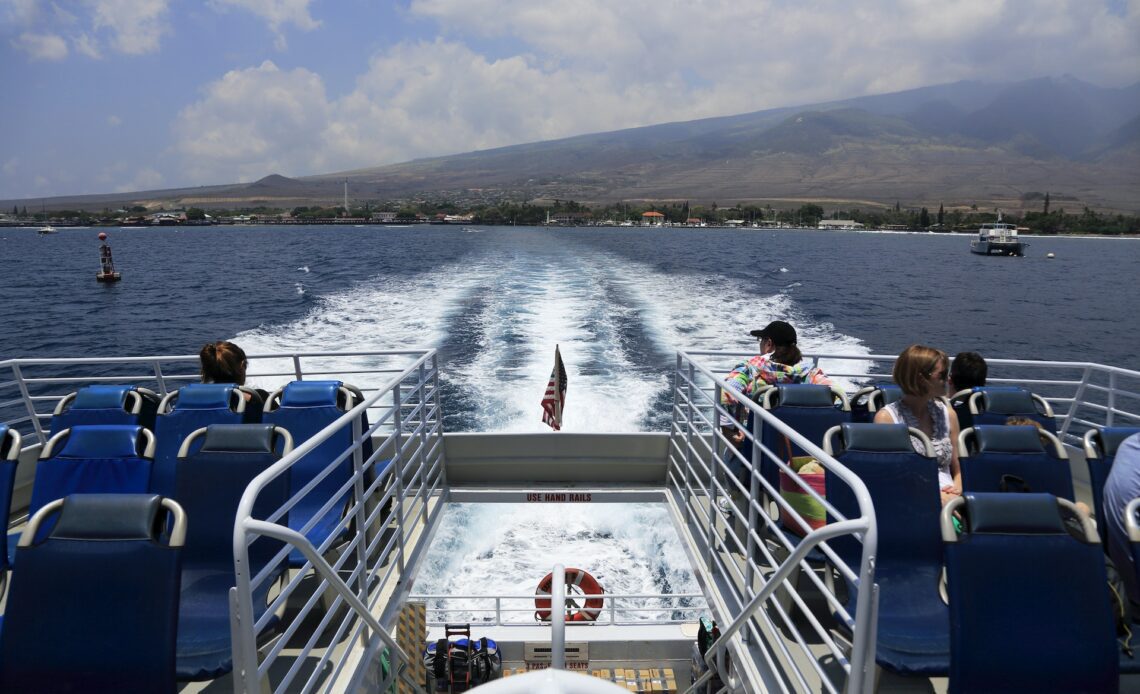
[778, 332]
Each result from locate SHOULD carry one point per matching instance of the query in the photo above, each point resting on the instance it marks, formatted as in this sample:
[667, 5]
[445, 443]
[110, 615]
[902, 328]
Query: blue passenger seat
[94, 606]
[1100, 452]
[1029, 606]
[91, 459]
[209, 484]
[305, 408]
[809, 409]
[865, 402]
[188, 409]
[101, 404]
[1004, 458]
[996, 404]
[913, 622]
[9, 459]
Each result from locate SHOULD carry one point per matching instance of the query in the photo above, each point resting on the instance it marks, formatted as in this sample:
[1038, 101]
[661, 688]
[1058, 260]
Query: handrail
[298, 541]
[371, 554]
[699, 422]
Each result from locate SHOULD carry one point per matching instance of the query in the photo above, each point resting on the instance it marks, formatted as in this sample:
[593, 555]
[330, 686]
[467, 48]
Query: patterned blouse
[749, 376]
[943, 446]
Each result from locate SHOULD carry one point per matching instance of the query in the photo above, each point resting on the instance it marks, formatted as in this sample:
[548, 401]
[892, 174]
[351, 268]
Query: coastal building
[839, 224]
[652, 219]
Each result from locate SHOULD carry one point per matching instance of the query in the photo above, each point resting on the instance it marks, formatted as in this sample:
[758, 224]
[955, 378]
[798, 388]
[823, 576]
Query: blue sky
[119, 95]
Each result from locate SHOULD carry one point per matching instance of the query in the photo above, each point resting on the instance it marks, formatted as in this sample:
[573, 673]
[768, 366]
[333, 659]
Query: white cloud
[277, 13]
[18, 12]
[41, 46]
[253, 122]
[145, 178]
[87, 45]
[11, 166]
[137, 26]
[114, 121]
[514, 71]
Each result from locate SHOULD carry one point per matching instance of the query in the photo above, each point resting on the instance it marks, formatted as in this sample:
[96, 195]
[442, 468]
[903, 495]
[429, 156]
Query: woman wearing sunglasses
[921, 373]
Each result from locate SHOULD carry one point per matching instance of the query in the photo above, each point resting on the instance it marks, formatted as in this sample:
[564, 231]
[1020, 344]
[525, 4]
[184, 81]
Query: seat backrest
[94, 606]
[1000, 457]
[867, 401]
[903, 485]
[1100, 452]
[105, 404]
[93, 459]
[996, 404]
[305, 408]
[1029, 602]
[810, 409]
[9, 458]
[210, 481]
[185, 411]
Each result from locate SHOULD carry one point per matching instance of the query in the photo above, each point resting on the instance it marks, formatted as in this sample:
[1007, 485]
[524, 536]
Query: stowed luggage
[457, 662]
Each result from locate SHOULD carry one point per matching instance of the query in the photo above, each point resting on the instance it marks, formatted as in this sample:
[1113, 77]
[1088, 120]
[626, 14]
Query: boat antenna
[345, 197]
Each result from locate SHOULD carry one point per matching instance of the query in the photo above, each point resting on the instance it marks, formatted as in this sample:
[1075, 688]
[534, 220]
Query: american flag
[555, 396]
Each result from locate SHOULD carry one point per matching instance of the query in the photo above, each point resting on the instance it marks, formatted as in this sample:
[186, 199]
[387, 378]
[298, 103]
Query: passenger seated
[1123, 485]
[779, 361]
[967, 371]
[225, 362]
[921, 372]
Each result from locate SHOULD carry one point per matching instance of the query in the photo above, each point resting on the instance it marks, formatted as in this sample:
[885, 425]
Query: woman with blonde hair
[921, 373]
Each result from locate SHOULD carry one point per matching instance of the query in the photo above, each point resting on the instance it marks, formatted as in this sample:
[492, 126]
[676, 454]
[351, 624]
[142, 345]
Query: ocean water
[619, 301]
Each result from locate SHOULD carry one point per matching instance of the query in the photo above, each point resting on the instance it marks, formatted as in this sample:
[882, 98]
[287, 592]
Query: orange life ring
[575, 578]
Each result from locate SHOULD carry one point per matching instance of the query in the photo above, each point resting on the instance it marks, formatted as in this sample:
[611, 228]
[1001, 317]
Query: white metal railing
[754, 590]
[1083, 395]
[30, 388]
[366, 555]
[618, 608]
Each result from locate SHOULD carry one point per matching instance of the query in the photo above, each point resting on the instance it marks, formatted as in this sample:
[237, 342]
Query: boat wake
[497, 316]
[505, 549]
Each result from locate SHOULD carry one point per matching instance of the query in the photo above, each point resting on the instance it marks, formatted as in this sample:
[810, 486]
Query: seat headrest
[101, 397]
[110, 517]
[804, 395]
[1006, 400]
[239, 438]
[888, 393]
[102, 441]
[1112, 437]
[1013, 514]
[9, 443]
[311, 394]
[1005, 438]
[875, 437]
[204, 396]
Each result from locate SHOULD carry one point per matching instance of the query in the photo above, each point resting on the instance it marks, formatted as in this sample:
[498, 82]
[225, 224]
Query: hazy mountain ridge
[965, 142]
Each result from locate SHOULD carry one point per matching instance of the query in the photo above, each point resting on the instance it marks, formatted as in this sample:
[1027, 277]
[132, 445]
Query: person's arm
[883, 417]
[955, 467]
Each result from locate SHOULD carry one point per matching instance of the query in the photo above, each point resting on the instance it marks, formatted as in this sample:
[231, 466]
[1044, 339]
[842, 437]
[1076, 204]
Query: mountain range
[961, 144]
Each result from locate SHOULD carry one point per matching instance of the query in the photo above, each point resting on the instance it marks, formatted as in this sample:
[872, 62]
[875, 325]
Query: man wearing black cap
[779, 361]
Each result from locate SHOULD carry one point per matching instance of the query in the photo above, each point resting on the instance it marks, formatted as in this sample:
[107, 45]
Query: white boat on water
[998, 238]
[47, 229]
[349, 615]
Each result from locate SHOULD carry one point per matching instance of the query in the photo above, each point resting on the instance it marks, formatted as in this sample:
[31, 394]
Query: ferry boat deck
[342, 612]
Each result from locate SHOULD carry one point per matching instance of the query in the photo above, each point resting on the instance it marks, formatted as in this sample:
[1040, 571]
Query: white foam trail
[300, 289]
[304, 268]
[713, 313]
[505, 549]
[516, 303]
[383, 313]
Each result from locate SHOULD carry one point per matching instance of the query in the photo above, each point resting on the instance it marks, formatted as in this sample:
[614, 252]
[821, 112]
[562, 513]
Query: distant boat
[998, 238]
[47, 229]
